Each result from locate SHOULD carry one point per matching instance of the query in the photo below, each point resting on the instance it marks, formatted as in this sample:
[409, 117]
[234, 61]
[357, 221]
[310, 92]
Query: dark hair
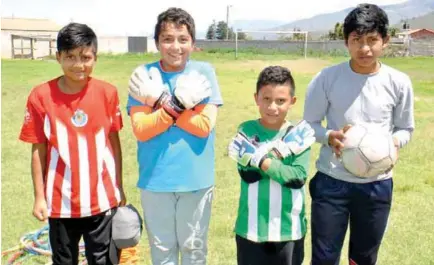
[366, 18]
[275, 75]
[75, 35]
[178, 17]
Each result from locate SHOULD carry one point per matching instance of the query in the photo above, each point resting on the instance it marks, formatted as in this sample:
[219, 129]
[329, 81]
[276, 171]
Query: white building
[27, 34]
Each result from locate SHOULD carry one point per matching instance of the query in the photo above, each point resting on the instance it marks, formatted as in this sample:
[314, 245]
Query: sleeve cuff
[273, 168]
[326, 138]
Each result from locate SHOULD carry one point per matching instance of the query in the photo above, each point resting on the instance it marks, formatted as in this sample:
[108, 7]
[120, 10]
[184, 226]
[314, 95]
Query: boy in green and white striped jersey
[273, 158]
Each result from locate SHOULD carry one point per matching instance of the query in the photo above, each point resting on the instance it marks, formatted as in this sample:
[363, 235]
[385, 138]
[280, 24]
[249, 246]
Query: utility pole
[227, 21]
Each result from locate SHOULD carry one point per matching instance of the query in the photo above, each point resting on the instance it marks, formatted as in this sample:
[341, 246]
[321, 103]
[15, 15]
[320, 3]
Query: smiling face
[274, 101]
[77, 64]
[364, 50]
[175, 45]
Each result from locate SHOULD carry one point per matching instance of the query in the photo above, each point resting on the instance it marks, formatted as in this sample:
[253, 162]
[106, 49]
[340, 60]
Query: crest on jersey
[79, 119]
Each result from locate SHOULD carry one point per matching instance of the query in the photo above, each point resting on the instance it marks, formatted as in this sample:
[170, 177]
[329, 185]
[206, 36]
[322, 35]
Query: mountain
[395, 12]
[256, 24]
[419, 13]
[425, 21]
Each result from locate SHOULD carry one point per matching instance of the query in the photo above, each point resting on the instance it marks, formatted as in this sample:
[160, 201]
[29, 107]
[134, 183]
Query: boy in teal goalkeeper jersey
[273, 158]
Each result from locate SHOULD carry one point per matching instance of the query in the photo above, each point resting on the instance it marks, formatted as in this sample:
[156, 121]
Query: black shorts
[65, 235]
[269, 253]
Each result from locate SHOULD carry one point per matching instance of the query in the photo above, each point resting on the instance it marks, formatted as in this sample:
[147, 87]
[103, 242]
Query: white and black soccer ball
[368, 151]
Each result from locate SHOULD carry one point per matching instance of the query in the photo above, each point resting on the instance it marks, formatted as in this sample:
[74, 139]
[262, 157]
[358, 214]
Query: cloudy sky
[138, 17]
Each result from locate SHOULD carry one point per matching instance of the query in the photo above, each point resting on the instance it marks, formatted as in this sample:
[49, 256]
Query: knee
[164, 245]
[195, 248]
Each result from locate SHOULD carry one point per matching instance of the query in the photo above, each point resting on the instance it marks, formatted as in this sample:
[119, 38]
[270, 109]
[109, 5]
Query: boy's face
[365, 49]
[175, 45]
[77, 64]
[274, 102]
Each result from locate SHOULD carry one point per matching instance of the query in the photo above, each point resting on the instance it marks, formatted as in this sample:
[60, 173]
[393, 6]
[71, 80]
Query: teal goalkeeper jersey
[272, 209]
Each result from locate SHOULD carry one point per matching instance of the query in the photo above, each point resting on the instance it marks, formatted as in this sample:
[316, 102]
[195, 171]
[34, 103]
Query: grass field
[409, 239]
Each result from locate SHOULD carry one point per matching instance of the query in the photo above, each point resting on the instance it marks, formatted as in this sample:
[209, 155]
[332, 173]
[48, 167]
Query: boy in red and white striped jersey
[72, 123]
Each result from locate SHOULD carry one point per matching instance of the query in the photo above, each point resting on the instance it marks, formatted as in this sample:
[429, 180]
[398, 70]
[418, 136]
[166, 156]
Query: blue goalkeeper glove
[247, 152]
[295, 141]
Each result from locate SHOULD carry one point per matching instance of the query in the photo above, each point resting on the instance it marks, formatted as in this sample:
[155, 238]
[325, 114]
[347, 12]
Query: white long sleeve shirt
[342, 97]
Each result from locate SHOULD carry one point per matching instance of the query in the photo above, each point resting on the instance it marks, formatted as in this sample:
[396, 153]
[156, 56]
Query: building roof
[414, 31]
[29, 24]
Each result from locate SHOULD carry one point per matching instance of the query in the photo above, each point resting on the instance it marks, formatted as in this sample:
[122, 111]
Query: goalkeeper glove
[295, 141]
[246, 152]
[146, 86]
[191, 89]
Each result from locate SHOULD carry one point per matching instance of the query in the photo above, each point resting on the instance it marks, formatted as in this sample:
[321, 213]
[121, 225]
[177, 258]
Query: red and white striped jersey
[80, 176]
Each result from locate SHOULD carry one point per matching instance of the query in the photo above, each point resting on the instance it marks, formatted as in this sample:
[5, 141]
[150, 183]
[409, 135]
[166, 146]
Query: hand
[123, 201]
[396, 144]
[192, 88]
[146, 86]
[245, 152]
[40, 209]
[296, 140]
[336, 139]
[171, 105]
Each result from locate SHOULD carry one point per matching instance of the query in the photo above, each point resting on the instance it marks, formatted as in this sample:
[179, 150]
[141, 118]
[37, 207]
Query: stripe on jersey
[111, 168]
[47, 127]
[274, 223]
[83, 158]
[62, 140]
[54, 159]
[252, 232]
[297, 199]
[100, 141]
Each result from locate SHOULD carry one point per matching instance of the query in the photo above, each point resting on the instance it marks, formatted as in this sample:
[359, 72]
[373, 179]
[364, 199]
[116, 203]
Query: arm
[315, 108]
[32, 132]
[403, 116]
[147, 124]
[292, 175]
[38, 165]
[199, 121]
[249, 174]
[117, 154]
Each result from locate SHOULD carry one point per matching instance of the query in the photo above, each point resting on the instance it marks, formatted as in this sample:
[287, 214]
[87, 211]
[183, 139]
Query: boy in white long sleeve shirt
[362, 90]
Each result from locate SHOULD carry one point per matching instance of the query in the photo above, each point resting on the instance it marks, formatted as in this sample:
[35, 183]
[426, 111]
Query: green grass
[409, 239]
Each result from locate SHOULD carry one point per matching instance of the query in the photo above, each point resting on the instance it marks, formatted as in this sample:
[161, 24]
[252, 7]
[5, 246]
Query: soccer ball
[367, 151]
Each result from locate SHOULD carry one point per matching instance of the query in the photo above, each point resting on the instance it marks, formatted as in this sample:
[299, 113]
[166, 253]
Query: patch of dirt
[299, 66]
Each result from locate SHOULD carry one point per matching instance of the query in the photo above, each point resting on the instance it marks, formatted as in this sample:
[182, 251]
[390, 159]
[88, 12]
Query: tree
[231, 35]
[340, 31]
[211, 33]
[337, 33]
[242, 36]
[221, 30]
[298, 36]
[294, 37]
[393, 31]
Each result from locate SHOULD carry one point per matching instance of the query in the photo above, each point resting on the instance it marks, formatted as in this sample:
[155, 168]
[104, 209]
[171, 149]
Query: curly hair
[177, 16]
[275, 75]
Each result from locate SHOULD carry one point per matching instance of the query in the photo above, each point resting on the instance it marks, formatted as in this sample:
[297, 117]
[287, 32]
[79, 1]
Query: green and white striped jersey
[269, 210]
